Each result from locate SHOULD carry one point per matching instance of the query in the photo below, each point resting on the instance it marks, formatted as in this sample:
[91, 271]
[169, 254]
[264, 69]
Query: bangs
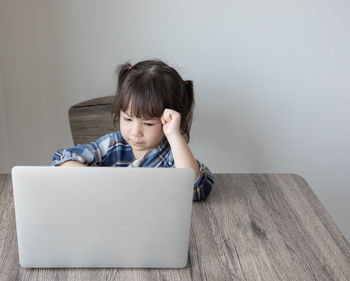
[146, 99]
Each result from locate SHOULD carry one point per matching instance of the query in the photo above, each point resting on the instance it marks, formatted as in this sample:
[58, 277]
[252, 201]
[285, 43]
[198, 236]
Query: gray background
[271, 79]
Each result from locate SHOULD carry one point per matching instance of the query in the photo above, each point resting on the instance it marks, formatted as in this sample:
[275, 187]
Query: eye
[149, 124]
[127, 119]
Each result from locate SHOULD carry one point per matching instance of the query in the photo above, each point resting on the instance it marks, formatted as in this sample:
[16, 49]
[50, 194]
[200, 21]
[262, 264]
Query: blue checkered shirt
[112, 150]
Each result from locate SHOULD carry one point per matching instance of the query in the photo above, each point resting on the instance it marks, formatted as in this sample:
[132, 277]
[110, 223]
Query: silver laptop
[102, 216]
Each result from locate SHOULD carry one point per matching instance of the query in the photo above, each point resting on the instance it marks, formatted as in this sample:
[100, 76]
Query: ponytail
[122, 71]
[187, 111]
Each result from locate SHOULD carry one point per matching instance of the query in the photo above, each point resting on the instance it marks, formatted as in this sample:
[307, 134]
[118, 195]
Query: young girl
[154, 107]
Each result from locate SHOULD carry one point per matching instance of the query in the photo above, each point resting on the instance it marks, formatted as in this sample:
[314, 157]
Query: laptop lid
[102, 216]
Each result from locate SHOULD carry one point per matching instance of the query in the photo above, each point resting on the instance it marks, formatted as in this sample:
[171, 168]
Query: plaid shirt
[113, 150]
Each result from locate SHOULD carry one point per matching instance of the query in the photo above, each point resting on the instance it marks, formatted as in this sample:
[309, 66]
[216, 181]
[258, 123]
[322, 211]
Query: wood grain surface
[252, 227]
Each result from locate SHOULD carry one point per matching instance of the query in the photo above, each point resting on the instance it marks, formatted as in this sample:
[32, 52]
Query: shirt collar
[153, 156]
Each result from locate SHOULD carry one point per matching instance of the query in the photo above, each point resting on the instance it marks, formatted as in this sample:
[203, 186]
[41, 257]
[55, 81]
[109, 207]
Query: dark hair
[151, 86]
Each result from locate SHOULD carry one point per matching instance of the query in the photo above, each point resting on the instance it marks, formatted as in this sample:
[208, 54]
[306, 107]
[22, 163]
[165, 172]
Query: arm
[203, 184]
[91, 154]
[182, 154]
[184, 158]
[71, 163]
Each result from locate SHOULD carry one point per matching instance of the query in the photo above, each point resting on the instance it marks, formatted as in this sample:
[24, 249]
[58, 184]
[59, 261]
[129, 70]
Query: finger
[164, 119]
[166, 115]
[171, 112]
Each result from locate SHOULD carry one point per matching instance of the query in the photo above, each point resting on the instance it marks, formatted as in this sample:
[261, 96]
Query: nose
[137, 131]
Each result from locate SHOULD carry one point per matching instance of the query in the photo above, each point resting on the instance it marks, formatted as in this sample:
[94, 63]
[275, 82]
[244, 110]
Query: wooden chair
[91, 119]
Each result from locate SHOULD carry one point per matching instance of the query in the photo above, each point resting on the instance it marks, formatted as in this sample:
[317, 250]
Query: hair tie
[186, 82]
[130, 67]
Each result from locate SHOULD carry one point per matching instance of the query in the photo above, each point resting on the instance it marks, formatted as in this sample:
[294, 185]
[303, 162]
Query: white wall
[3, 145]
[271, 79]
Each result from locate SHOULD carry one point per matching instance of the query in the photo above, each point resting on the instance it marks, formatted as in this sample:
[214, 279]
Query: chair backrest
[91, 119]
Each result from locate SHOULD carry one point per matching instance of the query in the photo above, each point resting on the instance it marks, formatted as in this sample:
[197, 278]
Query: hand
[71, 163]
[171, 121]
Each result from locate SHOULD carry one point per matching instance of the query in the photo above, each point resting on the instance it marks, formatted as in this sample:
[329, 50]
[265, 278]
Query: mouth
[136, 142]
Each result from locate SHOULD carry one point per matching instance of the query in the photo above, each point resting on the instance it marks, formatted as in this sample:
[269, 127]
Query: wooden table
[252, 227]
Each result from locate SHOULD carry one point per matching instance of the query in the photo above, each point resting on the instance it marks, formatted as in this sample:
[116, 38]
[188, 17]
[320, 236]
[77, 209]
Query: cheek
[157, 133]
[123, 127]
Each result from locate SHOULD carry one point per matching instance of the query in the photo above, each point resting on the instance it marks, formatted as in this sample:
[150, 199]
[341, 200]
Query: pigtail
[187, 112]
[122, 71]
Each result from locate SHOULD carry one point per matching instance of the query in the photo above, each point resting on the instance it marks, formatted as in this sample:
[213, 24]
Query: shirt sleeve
[91, 154]
[203, 184]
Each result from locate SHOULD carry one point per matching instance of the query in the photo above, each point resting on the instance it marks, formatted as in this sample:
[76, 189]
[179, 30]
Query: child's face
[142, 135]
